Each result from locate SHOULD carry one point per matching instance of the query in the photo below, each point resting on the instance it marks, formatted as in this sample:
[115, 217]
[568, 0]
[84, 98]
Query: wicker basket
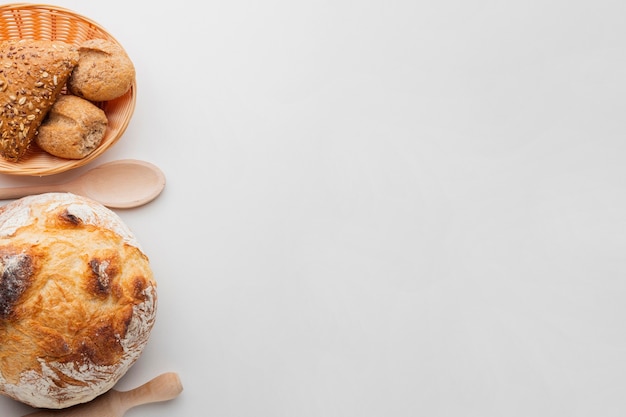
[41, 21]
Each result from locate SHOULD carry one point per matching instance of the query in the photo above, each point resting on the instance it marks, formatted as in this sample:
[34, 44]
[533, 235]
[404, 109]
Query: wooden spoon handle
[162, 388]
[23, 191]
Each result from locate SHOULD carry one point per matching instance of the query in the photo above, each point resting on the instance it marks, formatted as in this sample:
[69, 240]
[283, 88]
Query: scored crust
[32, 75]
[104, 71]
[73, 129]
[77, 300]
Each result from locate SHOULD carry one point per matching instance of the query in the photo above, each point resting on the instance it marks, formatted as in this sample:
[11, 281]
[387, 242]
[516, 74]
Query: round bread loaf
[104, 71]
[77, 300]
[73, 129]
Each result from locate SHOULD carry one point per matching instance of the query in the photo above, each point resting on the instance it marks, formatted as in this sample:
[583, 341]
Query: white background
[380, 208]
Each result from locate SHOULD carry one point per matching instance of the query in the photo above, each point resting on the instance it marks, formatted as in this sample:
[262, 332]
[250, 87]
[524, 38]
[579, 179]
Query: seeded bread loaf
[104, 71]
[73, 129]
[77, 300]
[32, 75]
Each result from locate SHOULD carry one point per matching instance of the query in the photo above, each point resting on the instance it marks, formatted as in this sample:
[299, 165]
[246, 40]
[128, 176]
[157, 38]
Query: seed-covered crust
[77, 300]
[32, 75]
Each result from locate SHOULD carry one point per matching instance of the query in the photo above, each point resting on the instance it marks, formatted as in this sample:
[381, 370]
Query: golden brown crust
[78, 305]
[104, 71]
[73, 129]
[32, 75]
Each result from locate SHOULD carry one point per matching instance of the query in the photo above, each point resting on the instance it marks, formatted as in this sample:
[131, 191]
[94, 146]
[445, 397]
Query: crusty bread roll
[73, 129]
[32, 75]
[77, 300]
[104, 71]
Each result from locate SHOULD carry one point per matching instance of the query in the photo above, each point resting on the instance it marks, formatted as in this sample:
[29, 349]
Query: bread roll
[73, 129]
[104, 71]
[32, 75]
[77, 300]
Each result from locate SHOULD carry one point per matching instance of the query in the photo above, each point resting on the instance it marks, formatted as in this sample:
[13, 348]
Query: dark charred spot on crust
[86, 350]
[70, 218]
[139, 286]
[103, 272]
[16, 271]
[104, 336]
[101, 346]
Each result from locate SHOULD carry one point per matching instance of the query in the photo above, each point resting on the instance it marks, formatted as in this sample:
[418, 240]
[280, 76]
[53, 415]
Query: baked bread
[77, 299]
[32, 75]
[104, 71]
[73, 129]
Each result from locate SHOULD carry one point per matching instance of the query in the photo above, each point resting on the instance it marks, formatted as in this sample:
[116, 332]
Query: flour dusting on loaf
[77, 300]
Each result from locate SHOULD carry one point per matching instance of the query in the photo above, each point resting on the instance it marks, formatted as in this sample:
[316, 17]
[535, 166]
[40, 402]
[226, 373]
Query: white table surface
[380, 208]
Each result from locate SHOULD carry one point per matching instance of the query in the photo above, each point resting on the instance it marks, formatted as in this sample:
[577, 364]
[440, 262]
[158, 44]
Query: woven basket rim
[46, 6]
[43, 164]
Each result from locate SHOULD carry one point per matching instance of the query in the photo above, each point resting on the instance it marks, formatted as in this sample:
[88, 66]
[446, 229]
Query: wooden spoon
[115, 403]
[119, 184]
